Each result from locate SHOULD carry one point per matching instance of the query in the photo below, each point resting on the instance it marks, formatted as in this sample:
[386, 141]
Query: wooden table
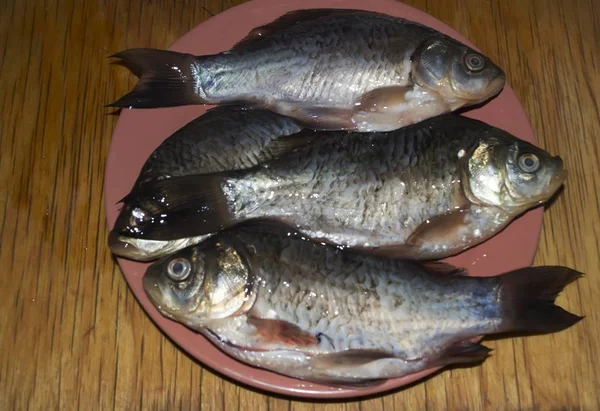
[72, 334]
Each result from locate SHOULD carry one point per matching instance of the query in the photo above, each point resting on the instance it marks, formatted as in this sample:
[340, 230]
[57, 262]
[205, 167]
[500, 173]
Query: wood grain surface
[72, 334]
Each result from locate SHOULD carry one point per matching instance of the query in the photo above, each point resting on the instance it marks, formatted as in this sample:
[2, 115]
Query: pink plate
[139, 132]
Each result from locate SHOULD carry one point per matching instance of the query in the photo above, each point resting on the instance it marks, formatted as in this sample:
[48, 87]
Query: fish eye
[474, 62]
[529, 163]
[137, 216]
[179, 269]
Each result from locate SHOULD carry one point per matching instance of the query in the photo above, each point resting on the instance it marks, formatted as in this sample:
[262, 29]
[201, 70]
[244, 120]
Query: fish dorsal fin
[287, 20]
[297, 141]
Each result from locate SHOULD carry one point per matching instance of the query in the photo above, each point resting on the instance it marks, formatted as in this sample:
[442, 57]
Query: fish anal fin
[403, 251]
[348, 358]
[462, 352]
[444, 269]
[281, 332]
[348, 383]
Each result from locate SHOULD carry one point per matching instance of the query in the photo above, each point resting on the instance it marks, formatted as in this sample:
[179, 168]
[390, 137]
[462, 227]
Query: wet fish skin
[330, 69]
[224, 138]
[422, 192]
[322, 314]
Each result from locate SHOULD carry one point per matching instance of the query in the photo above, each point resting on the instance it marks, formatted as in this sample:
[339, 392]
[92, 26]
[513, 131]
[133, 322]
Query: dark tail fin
[189, 206]
[527, 299]
[166, 79]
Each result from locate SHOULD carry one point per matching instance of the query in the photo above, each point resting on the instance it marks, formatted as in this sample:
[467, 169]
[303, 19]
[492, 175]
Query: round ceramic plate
[139, 132]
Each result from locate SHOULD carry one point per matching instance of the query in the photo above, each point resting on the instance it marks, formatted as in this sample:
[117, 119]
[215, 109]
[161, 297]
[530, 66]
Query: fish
[424, 192]
[330, 69]
[340, 317]
[222, 139]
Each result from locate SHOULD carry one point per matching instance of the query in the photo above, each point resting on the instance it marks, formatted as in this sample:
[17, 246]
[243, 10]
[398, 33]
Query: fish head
[202, 283]
[460, 75]
[511, 174]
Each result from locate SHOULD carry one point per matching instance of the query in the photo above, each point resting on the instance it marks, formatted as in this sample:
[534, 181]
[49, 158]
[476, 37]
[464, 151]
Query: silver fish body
[423, 192]
[330, 69]
[319, 313]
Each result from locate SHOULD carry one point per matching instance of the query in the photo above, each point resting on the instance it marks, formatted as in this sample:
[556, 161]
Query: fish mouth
[120, 247]
[160, 293]
[152, 288]
[155, 288]
[493, 89]
[554, 185]
[557, 181]
[495, 86]
[143, 250]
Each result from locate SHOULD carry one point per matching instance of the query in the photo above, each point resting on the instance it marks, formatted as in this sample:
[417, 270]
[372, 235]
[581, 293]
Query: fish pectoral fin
[390, 108]
[384, 99]
[463, 352]
[347, 359]
[282, 332]
[444, 230]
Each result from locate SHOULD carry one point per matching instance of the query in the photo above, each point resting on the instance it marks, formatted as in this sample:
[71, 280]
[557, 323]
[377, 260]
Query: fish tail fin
[166, 79]
[194, 206]
[527, 299]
